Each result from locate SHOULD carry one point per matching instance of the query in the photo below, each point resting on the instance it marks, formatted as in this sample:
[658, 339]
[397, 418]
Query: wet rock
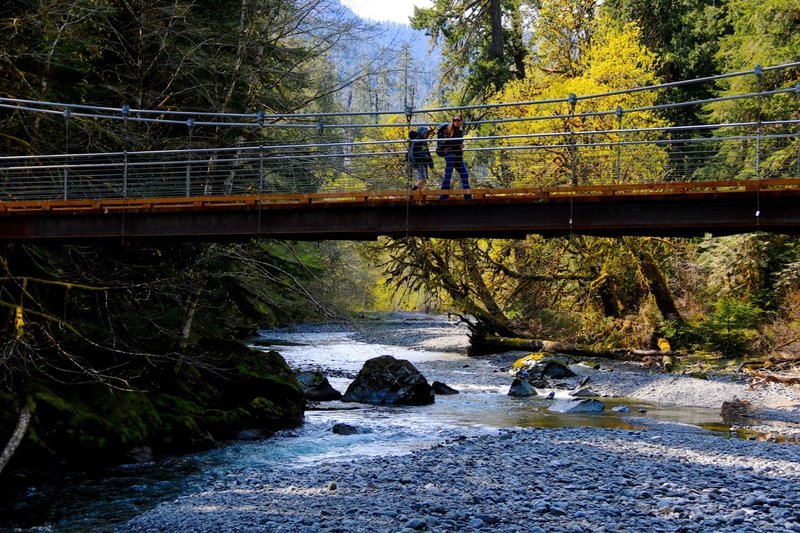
[538, 366]
[253, 434]
[521, 388]
[385, 380]
[141, 454]
[577, 406]
[736, 410]
[344, 429]
[316, 387]
[443, 389]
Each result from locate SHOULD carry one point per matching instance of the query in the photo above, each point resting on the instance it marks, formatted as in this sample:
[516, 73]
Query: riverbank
[659, 476]
[570, 479]
[775, 407]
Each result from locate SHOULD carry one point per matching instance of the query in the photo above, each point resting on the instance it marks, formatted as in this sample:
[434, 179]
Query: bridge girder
[669, 215]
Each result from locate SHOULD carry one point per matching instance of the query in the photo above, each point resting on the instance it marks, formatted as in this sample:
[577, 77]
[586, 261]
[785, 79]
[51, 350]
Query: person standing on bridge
[420, 156]
[451, 147]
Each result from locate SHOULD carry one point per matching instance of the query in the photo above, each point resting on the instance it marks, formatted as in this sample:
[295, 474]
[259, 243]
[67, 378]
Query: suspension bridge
[584, 164]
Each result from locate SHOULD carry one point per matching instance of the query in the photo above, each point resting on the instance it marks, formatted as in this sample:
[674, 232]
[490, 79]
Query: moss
[9, 413]
[238, 389]
[522, 361]
[276, 415]
[170, 403]
[226, 423]
[91, 424]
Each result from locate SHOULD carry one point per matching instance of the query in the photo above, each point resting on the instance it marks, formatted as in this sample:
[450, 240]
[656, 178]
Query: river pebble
[568, 479]
[664, 477]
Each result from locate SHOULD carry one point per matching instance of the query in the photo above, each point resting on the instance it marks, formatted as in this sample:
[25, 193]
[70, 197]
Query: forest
[91, 331]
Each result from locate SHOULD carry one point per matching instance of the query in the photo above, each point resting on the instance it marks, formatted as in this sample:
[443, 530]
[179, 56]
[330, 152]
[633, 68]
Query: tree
[685, 37]
[114, 315]
[612, 61]
[482, 40]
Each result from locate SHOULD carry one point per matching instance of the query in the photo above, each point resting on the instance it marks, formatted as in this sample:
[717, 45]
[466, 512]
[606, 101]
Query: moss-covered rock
[90, 424]
[236, 389]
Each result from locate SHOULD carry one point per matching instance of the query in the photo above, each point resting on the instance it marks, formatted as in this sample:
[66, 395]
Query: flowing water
[98, 502]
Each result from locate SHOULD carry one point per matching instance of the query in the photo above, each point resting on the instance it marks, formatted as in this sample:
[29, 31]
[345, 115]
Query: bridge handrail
[469, 139]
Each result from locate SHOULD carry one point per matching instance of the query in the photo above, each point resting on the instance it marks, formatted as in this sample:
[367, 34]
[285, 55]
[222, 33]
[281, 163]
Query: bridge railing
[591, 158]
[562, 147]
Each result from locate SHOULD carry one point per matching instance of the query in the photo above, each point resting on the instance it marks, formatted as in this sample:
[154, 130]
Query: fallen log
[489, 344]
[769, 376]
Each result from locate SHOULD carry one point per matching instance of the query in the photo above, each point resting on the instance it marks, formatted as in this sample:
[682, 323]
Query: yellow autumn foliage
[578, 145]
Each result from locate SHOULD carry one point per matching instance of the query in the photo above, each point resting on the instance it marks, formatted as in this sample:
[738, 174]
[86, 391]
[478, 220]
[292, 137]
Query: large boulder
[385, 380]
[236, 389]
[316, 386]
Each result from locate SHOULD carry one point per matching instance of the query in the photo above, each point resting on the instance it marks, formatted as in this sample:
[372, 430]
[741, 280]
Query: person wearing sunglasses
[453, 148]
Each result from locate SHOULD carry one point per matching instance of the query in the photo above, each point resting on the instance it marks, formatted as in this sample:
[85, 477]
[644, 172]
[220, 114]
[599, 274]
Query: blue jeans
[422, 172]
[455, 162]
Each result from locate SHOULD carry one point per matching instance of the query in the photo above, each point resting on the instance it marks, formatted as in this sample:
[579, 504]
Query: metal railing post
[573, 100]
[66, 152]
[619, 139]
[757, 72]
[260, 152]
[190, 125]
[125, 110]
[797, 92]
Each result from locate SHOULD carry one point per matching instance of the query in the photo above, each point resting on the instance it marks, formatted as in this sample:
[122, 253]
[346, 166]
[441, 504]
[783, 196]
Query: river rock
[540, 365]
[344, 429]
[443, 389]
[316, 387]
[521, 388]
[385, 380]
[577, 406]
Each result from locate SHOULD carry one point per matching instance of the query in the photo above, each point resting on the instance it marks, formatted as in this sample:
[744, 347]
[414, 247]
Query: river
[98, 502]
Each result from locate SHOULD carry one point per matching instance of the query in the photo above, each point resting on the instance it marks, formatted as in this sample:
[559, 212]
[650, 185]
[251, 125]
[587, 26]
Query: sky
[383, 10]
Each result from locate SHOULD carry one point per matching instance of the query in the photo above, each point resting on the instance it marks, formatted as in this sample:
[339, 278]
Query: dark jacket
[454, 143]
[419, 153]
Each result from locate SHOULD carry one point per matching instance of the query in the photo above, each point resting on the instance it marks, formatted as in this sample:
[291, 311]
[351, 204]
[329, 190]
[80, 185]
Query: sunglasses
[456, 120]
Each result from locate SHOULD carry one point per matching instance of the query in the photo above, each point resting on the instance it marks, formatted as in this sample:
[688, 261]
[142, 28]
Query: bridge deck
[680, 208]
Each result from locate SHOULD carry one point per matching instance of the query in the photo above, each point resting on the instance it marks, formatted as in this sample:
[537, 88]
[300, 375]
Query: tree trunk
[656, 283]
[24, 421]
[489, 344]
[607, 290]
[496, 17]
[191, 308]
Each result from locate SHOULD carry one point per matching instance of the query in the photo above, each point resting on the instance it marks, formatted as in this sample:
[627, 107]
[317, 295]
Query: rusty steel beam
[667, 215]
